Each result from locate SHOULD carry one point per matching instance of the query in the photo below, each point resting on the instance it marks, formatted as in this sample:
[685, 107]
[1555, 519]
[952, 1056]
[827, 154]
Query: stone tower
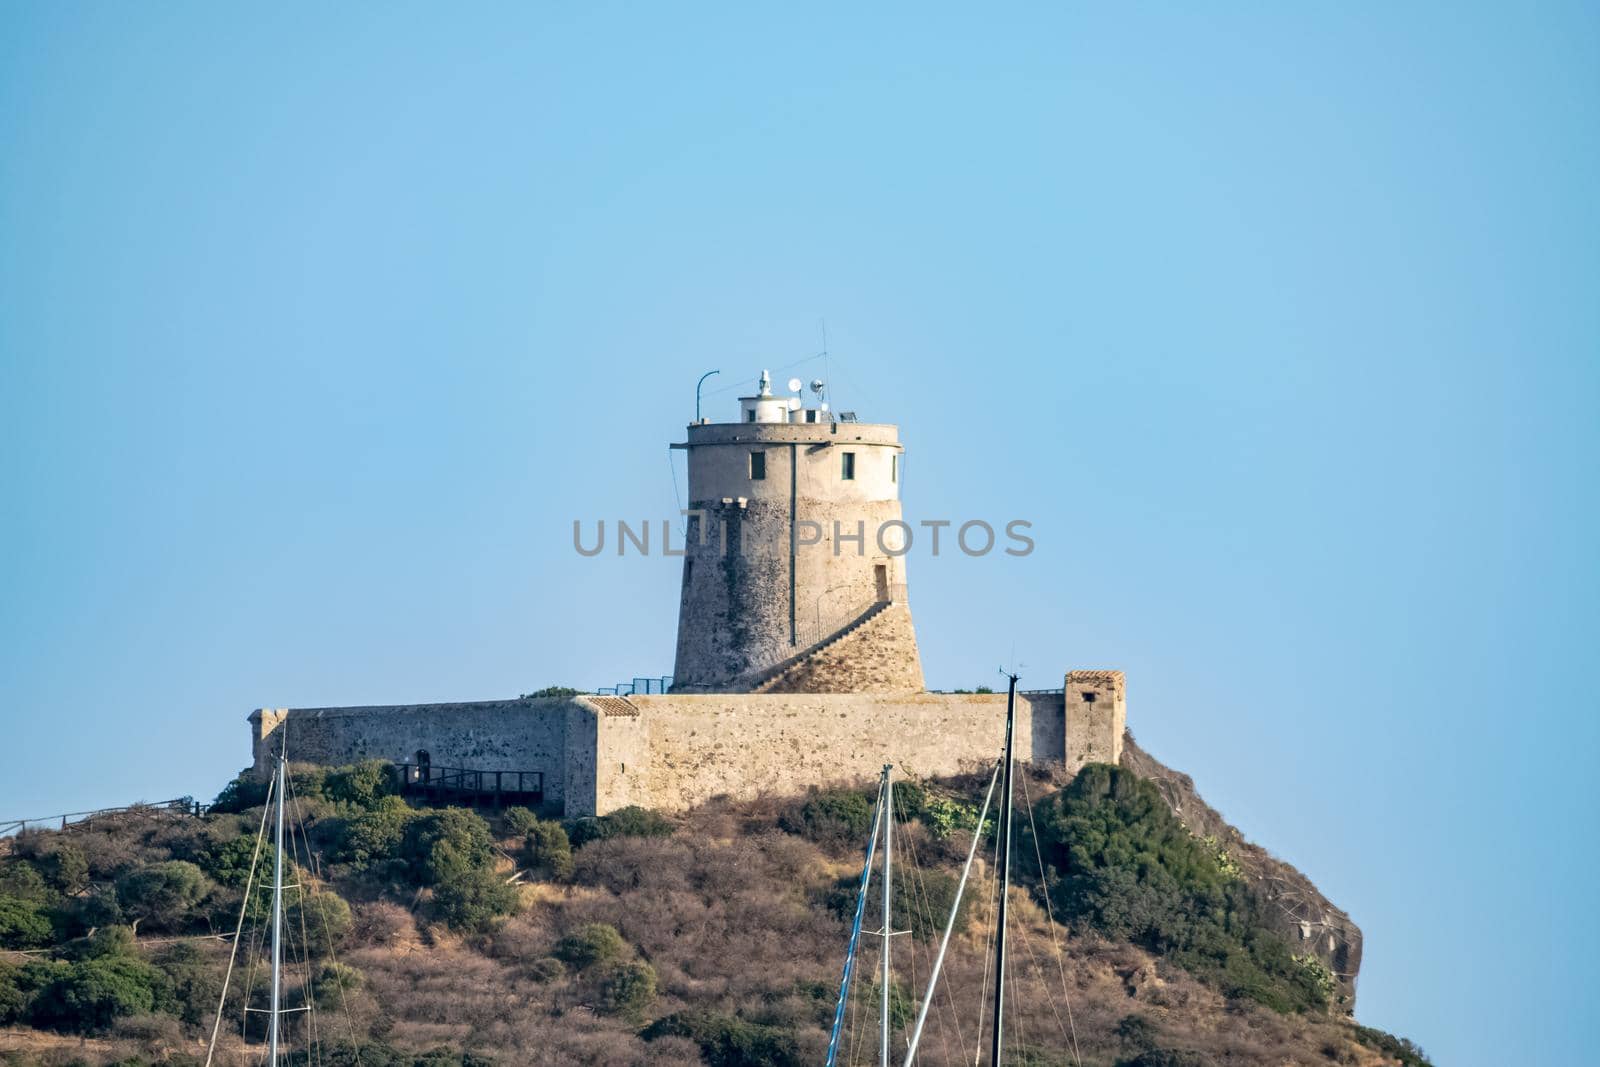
[794, 570]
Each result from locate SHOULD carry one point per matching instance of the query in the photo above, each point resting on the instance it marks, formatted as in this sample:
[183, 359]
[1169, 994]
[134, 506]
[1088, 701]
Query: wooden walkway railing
[180, 806]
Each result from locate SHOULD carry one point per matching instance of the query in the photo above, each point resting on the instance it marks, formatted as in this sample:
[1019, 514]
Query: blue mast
[855, 927]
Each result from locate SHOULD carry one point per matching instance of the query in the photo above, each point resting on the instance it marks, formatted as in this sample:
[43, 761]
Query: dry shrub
[382, 922]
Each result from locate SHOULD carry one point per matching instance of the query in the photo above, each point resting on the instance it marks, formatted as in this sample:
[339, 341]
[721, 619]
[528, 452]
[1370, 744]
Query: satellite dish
[795, 384]
[816, 385]
[824, 405]
[794, 403]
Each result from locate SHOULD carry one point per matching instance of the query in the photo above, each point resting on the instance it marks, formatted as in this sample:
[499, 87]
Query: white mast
[277, 919]
[888, 927]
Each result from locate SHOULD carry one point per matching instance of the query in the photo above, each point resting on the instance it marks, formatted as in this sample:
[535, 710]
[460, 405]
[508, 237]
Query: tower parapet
[795, 539]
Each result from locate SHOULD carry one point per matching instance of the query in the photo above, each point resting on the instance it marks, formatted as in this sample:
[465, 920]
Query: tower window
[758, 466]
[894, 467]
[849, 471]
[811, 414]
[750, 416]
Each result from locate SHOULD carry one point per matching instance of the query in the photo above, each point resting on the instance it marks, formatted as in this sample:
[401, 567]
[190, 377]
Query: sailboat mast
[888, 926]
[277, 918]
[1005, 880]
[855, 927]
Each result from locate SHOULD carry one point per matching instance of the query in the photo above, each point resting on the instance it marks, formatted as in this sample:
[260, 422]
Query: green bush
[375, 835]
[194, 981]
[22, 880]
[632, 821]
[90, 995]
[162, 894]
[64, 867]
[442, 846]
[23, 924]
[943, 816]
[728, 1041]
[362, 784]
[910, 800]
[628, 989]
[552, 691]
[334, 984]
[923, 899]
[549, 849]
[1407, 1052]
[590, 944]
[832, 817]
[246, 791]
[1137, 1032]
[15, 996]
[104, 942]
[518, 821]
[474, 901]
[322, 916]
[1133, 871]
[901, 1007]
[229, 863]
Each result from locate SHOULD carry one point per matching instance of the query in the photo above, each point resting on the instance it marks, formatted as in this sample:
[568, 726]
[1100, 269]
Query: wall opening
[880, 579]
[758, 466]
[848, 472]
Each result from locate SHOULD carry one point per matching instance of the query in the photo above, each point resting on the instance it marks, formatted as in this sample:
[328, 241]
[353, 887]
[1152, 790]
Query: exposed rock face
[1299, 913]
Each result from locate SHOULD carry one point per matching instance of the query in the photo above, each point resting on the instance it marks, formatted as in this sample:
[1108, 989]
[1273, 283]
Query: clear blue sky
[319, 325]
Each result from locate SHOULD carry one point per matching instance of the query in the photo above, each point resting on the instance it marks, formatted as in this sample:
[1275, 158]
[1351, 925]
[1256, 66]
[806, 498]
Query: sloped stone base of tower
[878, 654]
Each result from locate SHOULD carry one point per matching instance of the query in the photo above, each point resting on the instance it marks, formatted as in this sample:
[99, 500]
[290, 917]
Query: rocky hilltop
[1299, 913]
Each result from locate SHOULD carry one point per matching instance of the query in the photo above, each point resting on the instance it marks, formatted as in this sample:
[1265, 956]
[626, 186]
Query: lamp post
[697, 386]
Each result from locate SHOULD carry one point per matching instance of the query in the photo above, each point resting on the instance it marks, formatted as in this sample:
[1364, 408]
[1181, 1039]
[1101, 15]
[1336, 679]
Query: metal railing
[427, 779]
[637, 687]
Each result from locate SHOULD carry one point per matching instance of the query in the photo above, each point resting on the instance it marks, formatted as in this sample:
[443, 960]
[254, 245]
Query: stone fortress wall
[671, 752]
[796, 664]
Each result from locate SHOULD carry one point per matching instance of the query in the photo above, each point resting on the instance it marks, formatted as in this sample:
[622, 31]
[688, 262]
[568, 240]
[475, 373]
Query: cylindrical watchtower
[794, 572]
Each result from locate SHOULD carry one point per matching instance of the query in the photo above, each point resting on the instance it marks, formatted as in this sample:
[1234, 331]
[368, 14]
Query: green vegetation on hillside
[1118, 861]
[631, 938]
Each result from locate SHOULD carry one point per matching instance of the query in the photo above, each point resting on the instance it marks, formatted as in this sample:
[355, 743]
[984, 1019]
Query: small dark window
[1088, 696]
[750, 416]
[849, 472]
[811, 415]
[894, 468]
[758, 466]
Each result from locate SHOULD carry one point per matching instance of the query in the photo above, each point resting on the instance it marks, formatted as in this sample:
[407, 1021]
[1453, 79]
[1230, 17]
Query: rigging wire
[233, 952]
[327, 933]
[1050, 914]
[990, 898]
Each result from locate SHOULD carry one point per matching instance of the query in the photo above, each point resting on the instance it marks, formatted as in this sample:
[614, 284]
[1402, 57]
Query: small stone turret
[1096, 717]
[794, 542]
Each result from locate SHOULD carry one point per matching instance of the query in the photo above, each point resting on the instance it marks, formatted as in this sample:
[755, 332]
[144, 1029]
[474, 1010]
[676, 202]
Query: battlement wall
[507, 735]
[745, 745]
[671, 752]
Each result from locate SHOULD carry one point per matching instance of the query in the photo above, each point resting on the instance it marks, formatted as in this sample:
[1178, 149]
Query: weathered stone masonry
[670, 752]
[797, 661]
